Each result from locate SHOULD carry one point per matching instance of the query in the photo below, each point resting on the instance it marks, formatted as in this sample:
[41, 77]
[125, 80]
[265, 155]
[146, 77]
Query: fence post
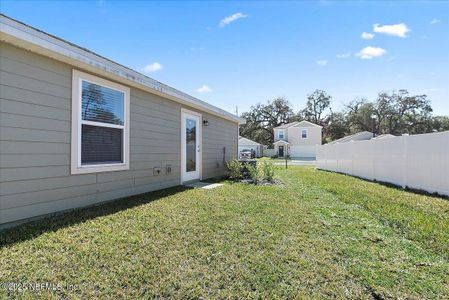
[325, 147]
[286, 165]
[351, 153]
[337, 155]
[404, 160]
[373, 153]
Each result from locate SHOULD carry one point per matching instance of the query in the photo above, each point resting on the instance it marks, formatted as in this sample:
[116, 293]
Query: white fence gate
[269, 152]
[417, 161]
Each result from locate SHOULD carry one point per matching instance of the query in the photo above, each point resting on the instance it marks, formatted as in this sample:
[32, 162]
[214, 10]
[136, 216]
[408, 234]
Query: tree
[316, 106]
[359, 114]
[95, 106]
[411, 115]
[439, 123]
[262, 118]
[395, 113]
[336, 127]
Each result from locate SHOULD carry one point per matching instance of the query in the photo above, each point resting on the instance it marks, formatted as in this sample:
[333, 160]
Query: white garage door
[255, 148]
[302, 151]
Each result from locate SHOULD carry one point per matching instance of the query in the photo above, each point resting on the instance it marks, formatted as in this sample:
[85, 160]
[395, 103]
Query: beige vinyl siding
[276, 134]
[313, 135]
[35, 122]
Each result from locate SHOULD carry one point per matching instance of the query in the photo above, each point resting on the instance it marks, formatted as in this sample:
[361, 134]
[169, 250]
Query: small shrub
[254, 173]
[268, 169]
[274, 156]
[251, 171]
[235, 169]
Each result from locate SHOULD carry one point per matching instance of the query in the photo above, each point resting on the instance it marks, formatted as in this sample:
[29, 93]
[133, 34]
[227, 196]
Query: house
[359, 136]
[77, 129]
[247, 144]
[362, 136]
[384, 136]
[297, 139]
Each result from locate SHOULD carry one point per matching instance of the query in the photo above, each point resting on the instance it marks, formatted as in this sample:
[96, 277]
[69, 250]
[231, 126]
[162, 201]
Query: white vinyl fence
[269, 152]
[416, 161]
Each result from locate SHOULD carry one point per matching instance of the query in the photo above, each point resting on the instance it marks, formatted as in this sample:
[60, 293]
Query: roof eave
[304, 121]
[34, 40]
[281, 141]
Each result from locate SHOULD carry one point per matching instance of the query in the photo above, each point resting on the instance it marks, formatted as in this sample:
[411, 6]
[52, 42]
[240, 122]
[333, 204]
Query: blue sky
[242, 53]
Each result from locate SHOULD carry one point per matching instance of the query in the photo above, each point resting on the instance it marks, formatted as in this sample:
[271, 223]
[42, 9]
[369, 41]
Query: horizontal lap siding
[35, 124]
[217, 135]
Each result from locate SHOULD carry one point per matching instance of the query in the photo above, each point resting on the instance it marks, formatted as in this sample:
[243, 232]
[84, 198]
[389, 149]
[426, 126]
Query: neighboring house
[359, 136]
[384, 136]
[362, 136]
[77, 129]
[297, 139]
[245, 144]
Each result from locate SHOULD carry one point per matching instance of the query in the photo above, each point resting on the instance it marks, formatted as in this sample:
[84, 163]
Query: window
[281, 134]
[100, 125]
[304, 133]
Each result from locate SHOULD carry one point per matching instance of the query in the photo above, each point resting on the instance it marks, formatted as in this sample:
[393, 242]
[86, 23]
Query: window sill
[98, 168]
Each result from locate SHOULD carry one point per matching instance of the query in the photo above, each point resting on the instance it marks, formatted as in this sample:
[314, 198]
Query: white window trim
[307, 133]
[76, 167]
[279, 134]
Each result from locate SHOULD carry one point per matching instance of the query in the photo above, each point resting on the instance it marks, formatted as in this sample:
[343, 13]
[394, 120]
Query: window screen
[101, 145]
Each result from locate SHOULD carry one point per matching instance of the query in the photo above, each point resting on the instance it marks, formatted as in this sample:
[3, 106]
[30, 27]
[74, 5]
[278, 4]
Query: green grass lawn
[320, 235]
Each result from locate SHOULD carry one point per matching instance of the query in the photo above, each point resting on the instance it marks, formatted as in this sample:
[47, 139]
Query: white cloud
[154, 67]
[344, 55]
[435, 21]
[371, 52]
[399, 30]
[204, 89]
[229, 19]
[321, 62]
[367, 36]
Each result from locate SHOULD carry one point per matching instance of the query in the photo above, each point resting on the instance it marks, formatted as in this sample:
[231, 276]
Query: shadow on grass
[394, 186]
[53, 222]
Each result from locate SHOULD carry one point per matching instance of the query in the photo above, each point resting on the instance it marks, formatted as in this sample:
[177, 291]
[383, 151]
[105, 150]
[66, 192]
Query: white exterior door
[190, 146]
